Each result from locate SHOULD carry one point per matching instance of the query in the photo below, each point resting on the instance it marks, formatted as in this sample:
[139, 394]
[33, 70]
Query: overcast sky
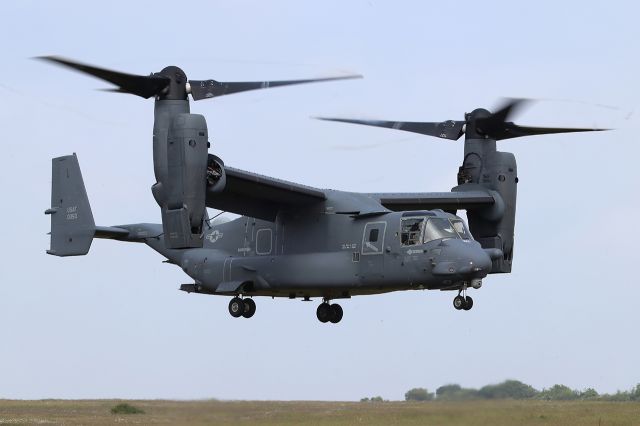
[113, 323]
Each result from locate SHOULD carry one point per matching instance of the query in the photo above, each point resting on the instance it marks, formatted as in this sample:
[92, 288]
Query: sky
[113, 323]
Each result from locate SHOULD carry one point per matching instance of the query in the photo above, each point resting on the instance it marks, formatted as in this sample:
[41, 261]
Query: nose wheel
[329, 312]
[462, 301]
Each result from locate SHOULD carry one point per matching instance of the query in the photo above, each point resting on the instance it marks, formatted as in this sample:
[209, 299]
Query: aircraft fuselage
[331, 256]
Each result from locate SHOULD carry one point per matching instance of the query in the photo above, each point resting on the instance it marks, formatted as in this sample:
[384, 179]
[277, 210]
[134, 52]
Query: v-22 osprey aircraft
[293, 240]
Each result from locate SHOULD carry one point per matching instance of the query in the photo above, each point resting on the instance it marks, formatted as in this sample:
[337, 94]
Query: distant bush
[125, 408]
[635, 393]
[418, 394]
[589, 393]
[559, 393]
[455, 393]
[514, 389]
[619, 396]
[373, 399]
[509, 389]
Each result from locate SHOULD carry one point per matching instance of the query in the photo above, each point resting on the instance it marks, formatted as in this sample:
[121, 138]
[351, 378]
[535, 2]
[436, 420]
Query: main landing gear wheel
[329, 313]
[249, 308]
[236, 307]
[336, 313]
[324, 312]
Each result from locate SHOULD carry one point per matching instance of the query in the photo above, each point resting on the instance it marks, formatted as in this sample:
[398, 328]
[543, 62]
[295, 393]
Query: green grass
[495, 413]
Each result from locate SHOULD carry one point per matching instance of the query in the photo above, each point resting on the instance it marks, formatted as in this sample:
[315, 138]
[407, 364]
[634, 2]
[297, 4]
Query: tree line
[513, 389]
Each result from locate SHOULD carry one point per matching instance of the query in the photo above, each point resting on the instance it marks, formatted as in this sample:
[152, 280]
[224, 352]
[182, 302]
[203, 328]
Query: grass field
[97, 412]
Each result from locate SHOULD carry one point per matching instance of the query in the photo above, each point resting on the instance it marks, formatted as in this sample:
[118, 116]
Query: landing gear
[336, 313]
[249, 308]
[468, 303]
[458, 302]
[323, 312]
[462, 301]
[329, 313]
[236, 307]
[242, 307]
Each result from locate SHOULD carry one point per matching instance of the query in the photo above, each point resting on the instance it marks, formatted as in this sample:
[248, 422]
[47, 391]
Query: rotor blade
[145, 86]
[510, 107]
[511, 130]
[205, 89]
[446, 130]
[494, 125]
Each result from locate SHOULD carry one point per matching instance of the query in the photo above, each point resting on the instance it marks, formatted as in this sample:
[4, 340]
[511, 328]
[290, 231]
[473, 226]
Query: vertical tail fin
[72, 225]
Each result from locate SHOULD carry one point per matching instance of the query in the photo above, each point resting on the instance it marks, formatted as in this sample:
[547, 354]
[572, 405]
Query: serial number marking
[72, 212]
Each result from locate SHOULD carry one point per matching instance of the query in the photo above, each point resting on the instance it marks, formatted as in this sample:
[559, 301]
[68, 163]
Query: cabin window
[373, 235]
[411, 230]
[263, 241]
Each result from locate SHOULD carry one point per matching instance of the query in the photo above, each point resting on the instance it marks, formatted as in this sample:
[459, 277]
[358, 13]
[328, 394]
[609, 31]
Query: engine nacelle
[183, 205]
[493, 227]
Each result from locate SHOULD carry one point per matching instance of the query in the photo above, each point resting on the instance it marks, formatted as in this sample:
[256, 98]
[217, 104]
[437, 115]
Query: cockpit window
[438, 228]
[411, 232]
[461, 229]
[417, 229]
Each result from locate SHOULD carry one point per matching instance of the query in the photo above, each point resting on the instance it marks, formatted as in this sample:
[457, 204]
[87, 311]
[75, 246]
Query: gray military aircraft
[293, 240]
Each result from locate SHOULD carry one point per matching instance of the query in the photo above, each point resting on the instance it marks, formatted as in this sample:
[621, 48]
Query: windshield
[461, 229]
[441, 228]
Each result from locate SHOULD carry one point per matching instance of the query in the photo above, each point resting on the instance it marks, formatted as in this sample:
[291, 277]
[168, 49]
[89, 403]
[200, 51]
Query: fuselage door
[373, 238]
[372, 250]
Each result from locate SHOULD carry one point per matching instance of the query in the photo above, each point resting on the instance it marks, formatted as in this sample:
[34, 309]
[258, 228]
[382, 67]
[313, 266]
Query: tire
[468, 303]
[249, 308]
[236, 307]
[458, 302]
[336, 313]
[324, 312]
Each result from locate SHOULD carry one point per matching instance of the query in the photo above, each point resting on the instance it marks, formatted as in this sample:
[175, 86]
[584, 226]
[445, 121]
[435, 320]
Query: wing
[448, 201]
[261, 196]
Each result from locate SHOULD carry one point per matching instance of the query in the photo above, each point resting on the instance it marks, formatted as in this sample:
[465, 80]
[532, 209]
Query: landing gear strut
[239, 307]
[329, 313]
[462, 301]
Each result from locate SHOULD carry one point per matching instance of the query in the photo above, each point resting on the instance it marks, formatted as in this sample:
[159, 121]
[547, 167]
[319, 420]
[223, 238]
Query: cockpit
[421, 229]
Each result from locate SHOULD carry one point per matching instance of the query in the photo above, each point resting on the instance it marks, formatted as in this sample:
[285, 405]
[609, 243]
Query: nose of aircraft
[479, 263]
[461, 257]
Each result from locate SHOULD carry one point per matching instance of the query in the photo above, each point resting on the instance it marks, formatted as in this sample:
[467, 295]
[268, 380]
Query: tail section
[72, 225]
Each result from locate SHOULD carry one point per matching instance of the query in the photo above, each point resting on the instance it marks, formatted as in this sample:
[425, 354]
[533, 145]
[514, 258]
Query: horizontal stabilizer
[111, 232]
